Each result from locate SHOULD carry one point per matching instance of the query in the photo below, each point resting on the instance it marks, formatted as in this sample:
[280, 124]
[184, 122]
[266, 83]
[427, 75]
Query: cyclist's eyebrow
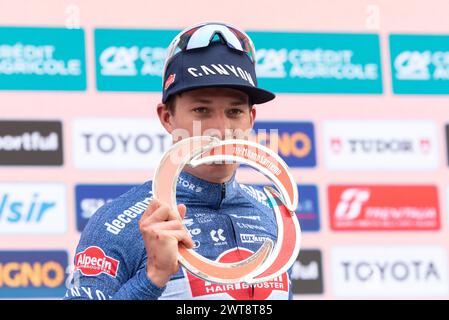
[239, 101]
[202, 100]
[236, 101]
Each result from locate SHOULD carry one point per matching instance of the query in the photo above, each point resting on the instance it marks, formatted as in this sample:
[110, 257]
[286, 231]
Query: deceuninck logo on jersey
[130, 59]
[384, 207]
[31, 143]
[42, 59]
[420, 63]
[380, 145]
[318, 62]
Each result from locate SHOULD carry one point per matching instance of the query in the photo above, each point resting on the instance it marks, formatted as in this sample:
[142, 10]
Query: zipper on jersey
[223, 194]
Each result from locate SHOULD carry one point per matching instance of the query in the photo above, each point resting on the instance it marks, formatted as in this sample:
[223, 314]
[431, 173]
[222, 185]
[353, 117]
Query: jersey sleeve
[110, 263]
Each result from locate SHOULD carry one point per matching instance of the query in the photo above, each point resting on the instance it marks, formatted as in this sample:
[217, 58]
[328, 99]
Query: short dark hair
[171, 103]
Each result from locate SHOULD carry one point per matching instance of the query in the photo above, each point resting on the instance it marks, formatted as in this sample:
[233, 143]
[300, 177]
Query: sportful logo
[318, 62]
[390, 271]
[420, 64]
[381, 145]
[119, 143]
[33, 208]
[369, 207]
[42, 59]
[31, 143]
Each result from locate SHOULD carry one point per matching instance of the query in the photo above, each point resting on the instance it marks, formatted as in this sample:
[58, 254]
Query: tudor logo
[336, 145]
[380, 145]
[425, 145]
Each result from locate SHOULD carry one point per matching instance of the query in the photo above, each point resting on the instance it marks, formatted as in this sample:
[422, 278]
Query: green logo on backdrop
[318, 62]
[131, 60]
[42, 59]
[420, 64]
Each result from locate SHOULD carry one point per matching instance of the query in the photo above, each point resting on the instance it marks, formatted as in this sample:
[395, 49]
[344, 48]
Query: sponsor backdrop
[361, 112]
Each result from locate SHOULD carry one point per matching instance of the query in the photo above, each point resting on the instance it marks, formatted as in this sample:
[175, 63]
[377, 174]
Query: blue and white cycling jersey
[227, 222]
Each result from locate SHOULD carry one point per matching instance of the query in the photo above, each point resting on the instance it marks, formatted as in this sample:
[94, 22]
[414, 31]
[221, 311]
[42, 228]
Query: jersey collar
[210, 193]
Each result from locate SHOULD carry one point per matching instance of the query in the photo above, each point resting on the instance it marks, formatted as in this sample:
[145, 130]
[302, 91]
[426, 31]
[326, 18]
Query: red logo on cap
[169, 81]
[93, 261]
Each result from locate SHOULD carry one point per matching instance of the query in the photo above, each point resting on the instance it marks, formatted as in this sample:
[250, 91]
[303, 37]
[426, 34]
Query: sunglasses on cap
[200, 36]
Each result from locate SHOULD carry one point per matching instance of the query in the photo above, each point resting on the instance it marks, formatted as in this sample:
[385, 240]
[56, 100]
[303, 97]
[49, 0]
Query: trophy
[271, 259]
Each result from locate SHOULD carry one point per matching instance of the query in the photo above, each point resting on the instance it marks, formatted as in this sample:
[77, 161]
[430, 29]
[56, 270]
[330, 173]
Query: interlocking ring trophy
[272, 259]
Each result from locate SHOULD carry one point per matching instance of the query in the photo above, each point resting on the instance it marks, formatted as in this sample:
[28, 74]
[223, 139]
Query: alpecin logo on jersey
[93, 261]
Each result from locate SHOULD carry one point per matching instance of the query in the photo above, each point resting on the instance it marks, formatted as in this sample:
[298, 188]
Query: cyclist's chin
[217, 172]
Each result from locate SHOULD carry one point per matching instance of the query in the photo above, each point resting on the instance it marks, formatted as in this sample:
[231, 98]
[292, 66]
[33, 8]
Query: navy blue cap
[217, 65]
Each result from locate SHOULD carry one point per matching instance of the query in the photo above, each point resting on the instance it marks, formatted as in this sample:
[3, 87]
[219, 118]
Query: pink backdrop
[400, 16]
